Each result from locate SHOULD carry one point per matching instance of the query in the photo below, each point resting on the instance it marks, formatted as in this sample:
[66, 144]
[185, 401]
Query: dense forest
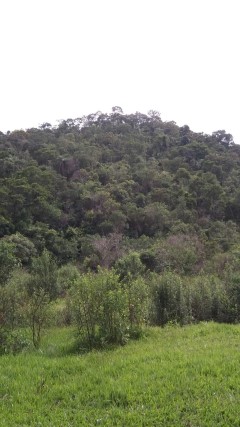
[144, 210]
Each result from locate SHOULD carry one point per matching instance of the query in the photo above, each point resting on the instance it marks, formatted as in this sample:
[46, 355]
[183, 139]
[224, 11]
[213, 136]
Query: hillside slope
[110, 183]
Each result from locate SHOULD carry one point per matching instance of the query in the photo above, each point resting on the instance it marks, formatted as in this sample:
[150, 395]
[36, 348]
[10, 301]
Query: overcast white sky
[62, 59]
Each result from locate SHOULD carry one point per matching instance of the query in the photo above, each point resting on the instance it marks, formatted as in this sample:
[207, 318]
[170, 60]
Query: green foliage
[105, 310]
[232, 284]
[170, 300]
[127, 191]
[182, 253]
[13, 298]
[44, 275]
[113, 311]
[207, 297]
[129, 267]
[130, 270]
[66, 276]
[41, 290]
[8, 260]
[99, 307]
[24, 248]
[12, 342]
[37, 314]
[138, 296]
[125, 174]
[204, 297]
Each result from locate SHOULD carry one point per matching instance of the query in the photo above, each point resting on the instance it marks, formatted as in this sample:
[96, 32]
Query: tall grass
[173, 377]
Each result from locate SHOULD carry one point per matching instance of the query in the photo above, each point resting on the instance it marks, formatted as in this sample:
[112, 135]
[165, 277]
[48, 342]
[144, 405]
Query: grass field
[172, 377]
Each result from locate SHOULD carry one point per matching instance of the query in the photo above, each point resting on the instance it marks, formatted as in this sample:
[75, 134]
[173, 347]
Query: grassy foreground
[173, 377]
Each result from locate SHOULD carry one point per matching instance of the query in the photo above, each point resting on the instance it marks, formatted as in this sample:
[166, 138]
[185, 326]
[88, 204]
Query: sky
[62, 59]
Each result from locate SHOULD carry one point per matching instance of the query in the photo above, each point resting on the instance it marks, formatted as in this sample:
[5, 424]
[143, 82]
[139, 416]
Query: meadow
[173, 376]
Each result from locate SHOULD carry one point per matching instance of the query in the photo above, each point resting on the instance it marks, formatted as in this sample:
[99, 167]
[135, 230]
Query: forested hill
[94, 188]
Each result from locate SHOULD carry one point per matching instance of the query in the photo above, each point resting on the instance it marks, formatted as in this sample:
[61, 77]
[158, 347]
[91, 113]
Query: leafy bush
[199, 298]
[37, 314]
[66, 276]
[130, 266]
[24, 248]
[170, 300]
[12, 342]
[205, 297]
[107, 311]
[99, 308]
[13, 299]
[232, 286]
[13, 313]
[8, 260]
[44, 275]
[181, 253]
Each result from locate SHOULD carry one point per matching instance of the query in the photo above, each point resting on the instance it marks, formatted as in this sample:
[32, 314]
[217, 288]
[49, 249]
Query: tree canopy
[130, 174]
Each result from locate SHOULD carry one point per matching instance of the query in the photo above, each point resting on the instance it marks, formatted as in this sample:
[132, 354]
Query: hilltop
[110, 183]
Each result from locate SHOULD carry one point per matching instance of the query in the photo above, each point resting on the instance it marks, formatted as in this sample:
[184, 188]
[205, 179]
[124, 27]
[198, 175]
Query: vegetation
[173, 377]
[97, 187]
[121, 221]
[109, 224]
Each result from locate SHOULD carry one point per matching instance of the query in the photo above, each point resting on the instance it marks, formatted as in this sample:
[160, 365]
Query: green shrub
[99, 308]
[170, 300]
[38, 311]
[44, 275]
[12, 342]
[66, 276]
[8, 260]
[232, 286]
[106, 310]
